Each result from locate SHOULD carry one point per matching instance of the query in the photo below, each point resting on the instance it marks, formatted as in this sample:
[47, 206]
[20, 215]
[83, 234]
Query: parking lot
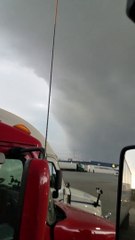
[89, 181]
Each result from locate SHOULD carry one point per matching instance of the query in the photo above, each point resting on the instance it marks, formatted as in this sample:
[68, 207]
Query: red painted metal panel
[80, 225]
[11, 135]
[33, 224]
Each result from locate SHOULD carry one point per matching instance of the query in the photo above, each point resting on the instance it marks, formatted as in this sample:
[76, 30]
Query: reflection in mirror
[127, 211]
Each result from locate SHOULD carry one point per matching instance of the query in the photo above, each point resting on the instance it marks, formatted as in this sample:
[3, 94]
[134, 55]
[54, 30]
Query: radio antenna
[51, 76]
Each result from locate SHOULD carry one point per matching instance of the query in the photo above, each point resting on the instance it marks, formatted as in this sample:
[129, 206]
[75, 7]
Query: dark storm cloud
[27, 27]
[94, 67]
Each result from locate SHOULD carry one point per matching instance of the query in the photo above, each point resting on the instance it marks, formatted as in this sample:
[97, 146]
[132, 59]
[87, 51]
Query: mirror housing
[2, 158]
[55, 194]
[130, 9]
[58, 180]
[126, 185]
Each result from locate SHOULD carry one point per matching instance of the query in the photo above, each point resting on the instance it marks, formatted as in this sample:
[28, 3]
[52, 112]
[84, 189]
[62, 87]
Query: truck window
[10, 182]
[52, 174]
[52, 169]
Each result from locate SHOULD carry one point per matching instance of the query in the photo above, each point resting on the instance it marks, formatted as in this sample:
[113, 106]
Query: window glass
[52, 169]
[10, 183]
[51, 217]
[52, 175]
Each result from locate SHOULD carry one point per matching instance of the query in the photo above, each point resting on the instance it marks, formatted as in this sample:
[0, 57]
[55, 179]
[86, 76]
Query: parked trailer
[71, 166]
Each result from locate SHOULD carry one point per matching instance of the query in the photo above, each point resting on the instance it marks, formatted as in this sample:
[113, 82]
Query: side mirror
[125, 215]
[57, 181]
[2, 158]
[130, 9]
[68, 199]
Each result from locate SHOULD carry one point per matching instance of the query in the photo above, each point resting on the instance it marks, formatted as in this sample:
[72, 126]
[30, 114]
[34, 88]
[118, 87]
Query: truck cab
[67, 194]
[27, 210]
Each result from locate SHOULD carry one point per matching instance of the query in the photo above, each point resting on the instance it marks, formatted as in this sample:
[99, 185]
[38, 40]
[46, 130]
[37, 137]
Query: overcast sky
[92, 107]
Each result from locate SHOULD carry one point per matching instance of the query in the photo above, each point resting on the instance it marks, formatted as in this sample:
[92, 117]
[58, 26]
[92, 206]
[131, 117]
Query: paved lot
[89, 181]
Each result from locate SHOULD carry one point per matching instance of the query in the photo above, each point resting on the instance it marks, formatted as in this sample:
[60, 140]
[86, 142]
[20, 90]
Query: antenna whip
[51, 76]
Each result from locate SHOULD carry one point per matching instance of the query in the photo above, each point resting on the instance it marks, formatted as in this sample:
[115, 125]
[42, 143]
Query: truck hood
[85, 201]
[80, 225]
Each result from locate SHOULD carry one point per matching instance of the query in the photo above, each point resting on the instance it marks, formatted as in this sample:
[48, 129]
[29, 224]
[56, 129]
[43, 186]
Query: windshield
[10, 184]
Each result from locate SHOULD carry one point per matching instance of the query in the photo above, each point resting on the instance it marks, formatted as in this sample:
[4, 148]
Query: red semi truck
[27, 210]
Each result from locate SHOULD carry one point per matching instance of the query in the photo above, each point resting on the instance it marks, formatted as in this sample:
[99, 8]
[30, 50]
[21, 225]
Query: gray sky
[92, 108]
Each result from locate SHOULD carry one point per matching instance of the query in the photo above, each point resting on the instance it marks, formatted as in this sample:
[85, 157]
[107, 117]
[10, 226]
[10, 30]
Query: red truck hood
[80, 225]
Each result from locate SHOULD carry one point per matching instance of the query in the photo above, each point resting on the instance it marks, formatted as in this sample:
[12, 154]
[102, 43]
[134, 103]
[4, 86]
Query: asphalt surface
[89, 181]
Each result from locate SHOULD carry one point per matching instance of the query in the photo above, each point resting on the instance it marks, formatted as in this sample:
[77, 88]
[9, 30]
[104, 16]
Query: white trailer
[68, 166]
[71, 166]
